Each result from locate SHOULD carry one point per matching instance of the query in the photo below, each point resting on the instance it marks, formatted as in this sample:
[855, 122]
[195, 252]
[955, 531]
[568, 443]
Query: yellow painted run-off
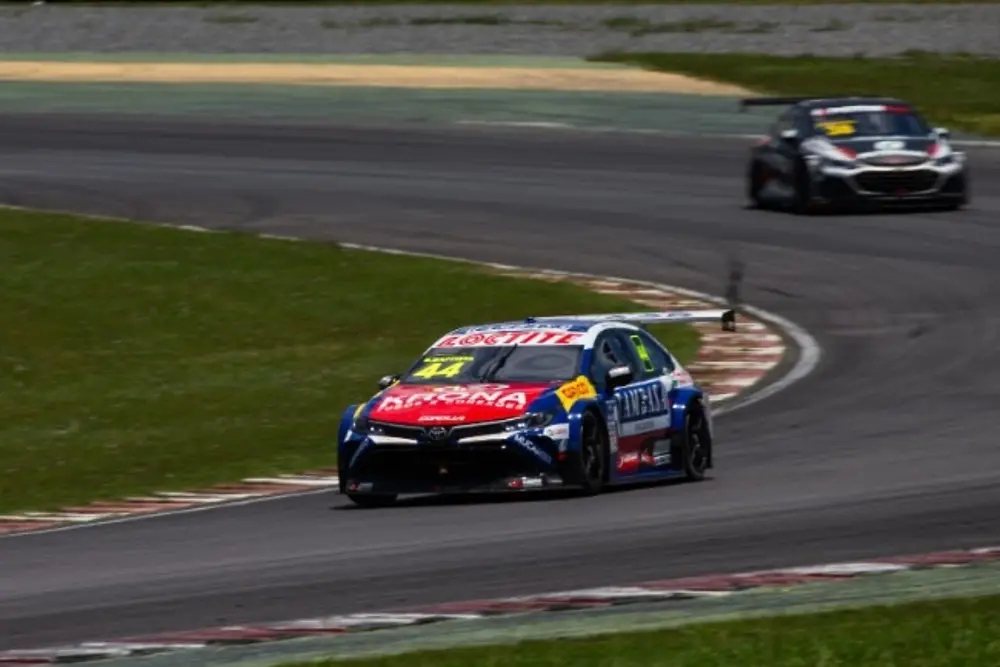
[389, 76]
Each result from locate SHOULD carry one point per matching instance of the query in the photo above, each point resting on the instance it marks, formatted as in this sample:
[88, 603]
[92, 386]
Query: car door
[639, 412]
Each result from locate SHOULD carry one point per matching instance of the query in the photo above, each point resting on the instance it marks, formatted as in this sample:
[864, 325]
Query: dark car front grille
[896, 182]
[895, 160]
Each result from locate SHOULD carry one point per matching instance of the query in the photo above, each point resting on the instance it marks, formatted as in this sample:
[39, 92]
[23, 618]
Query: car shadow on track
[499, 498]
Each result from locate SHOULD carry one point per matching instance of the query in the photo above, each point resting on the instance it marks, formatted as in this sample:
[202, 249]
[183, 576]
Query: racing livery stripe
[724, 585]
[727, 366]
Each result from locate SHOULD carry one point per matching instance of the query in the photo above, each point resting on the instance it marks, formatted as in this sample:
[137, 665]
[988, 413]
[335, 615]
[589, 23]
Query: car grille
[895, 160]
[454, 433]
[894, 182]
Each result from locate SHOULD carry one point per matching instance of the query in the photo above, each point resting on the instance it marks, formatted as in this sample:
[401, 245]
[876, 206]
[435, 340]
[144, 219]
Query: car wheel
[755, 180]
[694, 445]
[802, 197]
[593, 458]
[372, 500]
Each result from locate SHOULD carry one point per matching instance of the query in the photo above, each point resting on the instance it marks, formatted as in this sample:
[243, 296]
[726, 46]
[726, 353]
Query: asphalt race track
[889, 447]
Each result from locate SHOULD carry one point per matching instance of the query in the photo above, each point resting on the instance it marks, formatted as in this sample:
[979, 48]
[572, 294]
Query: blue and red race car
[555, 402]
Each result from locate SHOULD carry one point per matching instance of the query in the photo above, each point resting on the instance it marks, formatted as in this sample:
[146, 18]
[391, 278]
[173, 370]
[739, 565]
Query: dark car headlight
[821, 161]
[838, 164]
[945, 161]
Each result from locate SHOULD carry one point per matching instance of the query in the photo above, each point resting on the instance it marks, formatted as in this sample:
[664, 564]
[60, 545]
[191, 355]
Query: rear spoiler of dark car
[771, 101]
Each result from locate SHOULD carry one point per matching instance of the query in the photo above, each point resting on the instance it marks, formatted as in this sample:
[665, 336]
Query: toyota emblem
[437, 433]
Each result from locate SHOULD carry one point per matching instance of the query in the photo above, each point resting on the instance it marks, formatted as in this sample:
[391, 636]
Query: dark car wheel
[593, 458]
[755, 181]
[693, 446]
[372, 500]
[802, 197]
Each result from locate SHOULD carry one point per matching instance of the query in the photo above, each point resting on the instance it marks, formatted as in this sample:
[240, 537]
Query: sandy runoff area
[393, 76]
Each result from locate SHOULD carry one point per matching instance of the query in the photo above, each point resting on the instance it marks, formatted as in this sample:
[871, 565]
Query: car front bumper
[486, 465]
[918, 184]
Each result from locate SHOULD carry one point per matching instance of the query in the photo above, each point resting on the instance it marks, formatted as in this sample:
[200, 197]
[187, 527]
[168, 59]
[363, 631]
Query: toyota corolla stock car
[575, 402]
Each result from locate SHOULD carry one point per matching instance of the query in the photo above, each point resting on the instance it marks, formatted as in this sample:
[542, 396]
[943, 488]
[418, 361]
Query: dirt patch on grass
[393, 76]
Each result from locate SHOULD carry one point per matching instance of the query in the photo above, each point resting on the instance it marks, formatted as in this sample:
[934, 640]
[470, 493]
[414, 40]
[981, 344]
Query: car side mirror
[790, 136]
[387, 381]
[619, 376]
[942, 132]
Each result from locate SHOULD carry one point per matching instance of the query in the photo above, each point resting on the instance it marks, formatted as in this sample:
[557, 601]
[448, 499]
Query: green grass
[136, 358]
[958, 91]
[951, 633]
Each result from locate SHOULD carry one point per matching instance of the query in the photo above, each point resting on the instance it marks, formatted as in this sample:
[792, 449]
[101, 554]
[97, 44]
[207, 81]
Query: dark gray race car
[853, 151]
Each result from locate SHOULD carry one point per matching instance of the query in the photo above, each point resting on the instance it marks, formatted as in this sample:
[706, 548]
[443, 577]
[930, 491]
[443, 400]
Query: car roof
[821, 102]
[568, 324]
[584, 331]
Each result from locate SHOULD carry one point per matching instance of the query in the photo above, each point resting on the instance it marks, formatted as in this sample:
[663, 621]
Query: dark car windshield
[530, 363]
[858, 122]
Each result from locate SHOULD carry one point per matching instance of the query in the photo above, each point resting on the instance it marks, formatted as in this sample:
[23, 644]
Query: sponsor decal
[556, 432]
[857, 108]
[573, 391]
[628, 462]
[526, 443]
[527, 326]
[483, 395]
[837, 128]
[643, 401]
[890, 145]
[441, 418]
[510, 337]
[614, 428]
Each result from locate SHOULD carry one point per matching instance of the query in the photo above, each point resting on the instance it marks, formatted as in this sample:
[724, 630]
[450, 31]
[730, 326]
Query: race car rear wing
[725, 316]
[771, 101]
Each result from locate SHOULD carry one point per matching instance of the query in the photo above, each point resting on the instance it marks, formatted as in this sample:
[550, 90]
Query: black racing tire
[693, 445]
[373, 500]
[802, 199]
[592, 462]
[753, 186]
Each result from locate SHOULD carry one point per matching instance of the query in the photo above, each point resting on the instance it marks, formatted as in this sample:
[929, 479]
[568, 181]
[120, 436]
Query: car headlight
[945, 161]
[838, 164]
[363, 426]
[821, 161]
[532, 420]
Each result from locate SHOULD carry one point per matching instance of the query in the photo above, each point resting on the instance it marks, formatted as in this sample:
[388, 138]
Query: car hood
[886, 144]
[422, 404]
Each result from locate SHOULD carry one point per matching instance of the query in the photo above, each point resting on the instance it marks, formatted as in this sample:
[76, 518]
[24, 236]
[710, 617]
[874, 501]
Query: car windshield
[530, 363]
[845, 123]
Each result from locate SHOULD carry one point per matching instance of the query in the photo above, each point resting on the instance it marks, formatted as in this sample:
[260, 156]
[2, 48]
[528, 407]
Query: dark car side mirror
[790, 137]
[619, 376]
[942, 132]
[387, 381]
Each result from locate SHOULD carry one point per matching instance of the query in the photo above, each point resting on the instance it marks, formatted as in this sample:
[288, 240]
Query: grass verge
[959, 91]
[949, 633]
[138, 358]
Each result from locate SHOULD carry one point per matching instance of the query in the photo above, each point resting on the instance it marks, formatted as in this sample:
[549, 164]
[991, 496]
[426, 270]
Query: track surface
[889, 447]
